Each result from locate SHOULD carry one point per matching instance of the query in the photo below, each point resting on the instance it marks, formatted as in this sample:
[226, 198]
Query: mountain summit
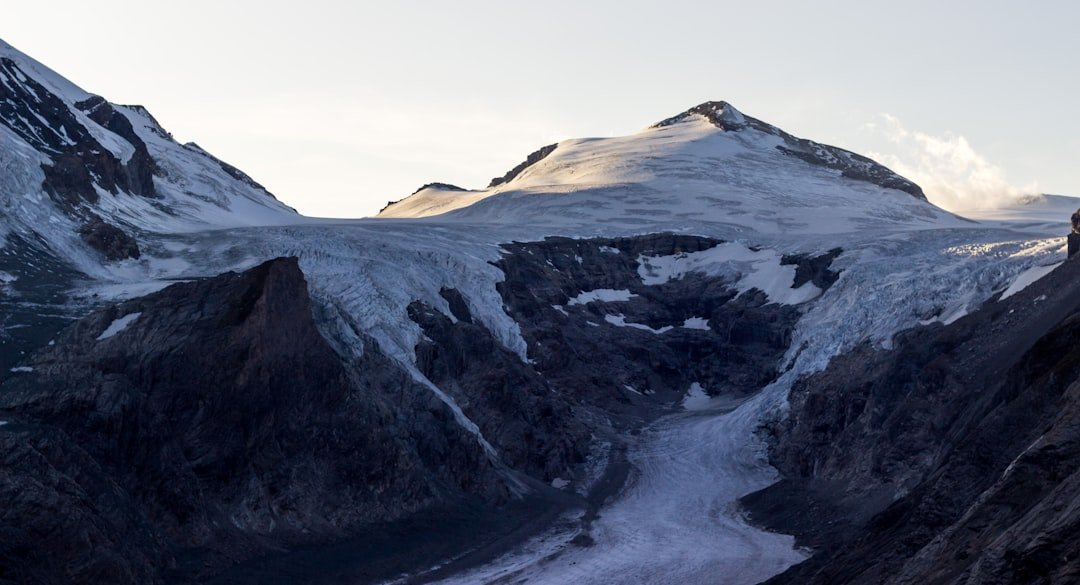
[851, 165]
[703, 161]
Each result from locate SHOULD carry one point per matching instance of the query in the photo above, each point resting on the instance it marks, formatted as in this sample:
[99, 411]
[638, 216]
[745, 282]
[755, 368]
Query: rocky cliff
[953, 457]
[207, 423]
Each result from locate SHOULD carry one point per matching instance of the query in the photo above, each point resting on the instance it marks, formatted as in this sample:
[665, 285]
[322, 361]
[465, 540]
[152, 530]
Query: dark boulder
[108, 239]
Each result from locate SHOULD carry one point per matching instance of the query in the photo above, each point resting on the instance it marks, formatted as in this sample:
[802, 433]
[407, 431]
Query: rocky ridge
[210, 422]
[851, 165]
[951, 458]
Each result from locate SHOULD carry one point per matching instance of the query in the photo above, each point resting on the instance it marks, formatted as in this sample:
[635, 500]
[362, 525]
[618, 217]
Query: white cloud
[952, 174]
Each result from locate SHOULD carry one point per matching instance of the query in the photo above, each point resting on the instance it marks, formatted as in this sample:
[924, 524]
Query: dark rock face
[79, 161]
[814, 269]
[1074, 235]
[582, 350]
[211, 422]
[140, 169]
[534, 428]
[108, 239]
[530, 160]
[952, 458]
[851, 165]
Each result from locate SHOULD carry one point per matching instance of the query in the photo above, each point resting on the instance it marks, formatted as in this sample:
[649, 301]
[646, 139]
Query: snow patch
[620, 321]
[118, 325]
[696, 323]
[696, 398]
[605, 295]
[559, 483]
[22, 369]
[1026, 278]
[751, 268]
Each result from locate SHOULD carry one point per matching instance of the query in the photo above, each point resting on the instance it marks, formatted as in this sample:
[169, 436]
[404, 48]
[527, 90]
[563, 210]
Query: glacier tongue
[678, 521]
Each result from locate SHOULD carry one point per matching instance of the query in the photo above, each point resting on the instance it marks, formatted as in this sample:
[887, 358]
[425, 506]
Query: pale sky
[338, 106]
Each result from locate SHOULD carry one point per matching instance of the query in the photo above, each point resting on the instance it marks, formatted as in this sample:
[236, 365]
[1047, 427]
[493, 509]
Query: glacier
[904, 263]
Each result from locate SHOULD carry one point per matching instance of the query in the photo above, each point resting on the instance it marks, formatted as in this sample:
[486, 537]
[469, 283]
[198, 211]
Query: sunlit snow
[1027, 277]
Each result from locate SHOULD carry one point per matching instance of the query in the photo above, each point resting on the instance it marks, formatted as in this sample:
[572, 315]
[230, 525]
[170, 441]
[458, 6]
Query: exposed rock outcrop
[1074, 235]
[640, 348]
[140, 167]
[108, 239]
[439, 186]
[79, 161]
[534, 428]
[529, 161]
[813, 269]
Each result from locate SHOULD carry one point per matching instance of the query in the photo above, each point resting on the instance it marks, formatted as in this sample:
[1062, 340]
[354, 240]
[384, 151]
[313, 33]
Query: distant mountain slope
[77, 170]
[710, 162]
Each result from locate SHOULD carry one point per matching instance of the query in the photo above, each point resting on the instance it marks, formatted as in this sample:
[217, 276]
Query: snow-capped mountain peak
[851, 165]
[706, 162]
[720, 113]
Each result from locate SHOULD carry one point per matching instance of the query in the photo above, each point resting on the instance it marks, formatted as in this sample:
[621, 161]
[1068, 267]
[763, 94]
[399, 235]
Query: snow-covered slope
[69, 159]
[433, 199]
[712, 164]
